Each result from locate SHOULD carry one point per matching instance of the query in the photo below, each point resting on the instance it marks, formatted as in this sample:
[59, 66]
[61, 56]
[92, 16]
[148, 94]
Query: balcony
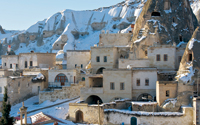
[92, 90]
[58, 84]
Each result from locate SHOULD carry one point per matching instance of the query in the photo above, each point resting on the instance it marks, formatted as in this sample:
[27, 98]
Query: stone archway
[145, 97]
[100, 70]
[79, 116]
[62, 78]
[93, 99]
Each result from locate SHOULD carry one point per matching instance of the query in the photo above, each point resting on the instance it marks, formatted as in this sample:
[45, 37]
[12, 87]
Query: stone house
[28, 60]
[78, 58]
[114, 84]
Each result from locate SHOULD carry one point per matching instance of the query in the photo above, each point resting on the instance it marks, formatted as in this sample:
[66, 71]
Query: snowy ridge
[87, 24]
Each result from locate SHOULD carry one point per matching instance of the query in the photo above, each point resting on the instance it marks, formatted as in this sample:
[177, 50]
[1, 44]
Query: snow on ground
[58, 111]
[144, 113]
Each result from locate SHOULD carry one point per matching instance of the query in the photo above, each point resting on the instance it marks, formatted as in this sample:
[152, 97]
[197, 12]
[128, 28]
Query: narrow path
[52, 105]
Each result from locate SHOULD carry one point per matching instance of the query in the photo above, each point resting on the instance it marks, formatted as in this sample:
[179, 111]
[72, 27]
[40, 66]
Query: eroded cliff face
[171, 21]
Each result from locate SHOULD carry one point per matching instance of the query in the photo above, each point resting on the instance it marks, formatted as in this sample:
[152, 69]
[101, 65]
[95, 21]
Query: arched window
[155, 14]
[83, 78]
[61, 78]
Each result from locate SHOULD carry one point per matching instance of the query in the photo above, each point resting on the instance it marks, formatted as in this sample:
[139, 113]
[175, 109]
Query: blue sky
[20, 14]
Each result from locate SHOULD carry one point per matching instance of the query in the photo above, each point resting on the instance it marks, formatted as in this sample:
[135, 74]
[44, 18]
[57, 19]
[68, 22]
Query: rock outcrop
[1, 30]
[169, 20]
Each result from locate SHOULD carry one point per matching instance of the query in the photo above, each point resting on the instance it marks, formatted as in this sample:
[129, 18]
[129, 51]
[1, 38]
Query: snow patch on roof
[139, 113]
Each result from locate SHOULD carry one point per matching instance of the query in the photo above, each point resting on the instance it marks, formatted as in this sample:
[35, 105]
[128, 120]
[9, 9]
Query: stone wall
[78, 58]
[145, 106]
[162, 87]
[91, 112]
[64, 93]
[123, 63]
[143, 118]
[110, 52]
[120, 39]
[19, 89]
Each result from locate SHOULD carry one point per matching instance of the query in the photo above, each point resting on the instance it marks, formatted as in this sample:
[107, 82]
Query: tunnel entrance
[93, 99]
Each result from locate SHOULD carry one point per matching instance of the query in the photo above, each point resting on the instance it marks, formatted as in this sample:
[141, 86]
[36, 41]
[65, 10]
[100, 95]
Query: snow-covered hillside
[68, 29]
[81, 28]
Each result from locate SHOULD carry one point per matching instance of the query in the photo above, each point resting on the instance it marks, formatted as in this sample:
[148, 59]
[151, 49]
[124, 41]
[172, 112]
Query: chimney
[9, 48]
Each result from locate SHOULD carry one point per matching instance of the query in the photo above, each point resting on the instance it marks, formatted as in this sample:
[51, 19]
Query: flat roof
[96, 76]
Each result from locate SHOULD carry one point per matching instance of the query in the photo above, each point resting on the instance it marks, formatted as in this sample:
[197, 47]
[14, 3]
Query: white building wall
[161, 50]
[142, 75]
[69, 73]
[11, 59]
[78, 58]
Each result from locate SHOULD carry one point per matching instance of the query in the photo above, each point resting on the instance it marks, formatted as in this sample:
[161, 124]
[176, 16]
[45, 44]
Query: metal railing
[58, 84]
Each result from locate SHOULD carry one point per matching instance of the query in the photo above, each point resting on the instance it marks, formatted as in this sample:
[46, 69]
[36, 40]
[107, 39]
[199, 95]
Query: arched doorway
[79, 116]
[133, 121]
[93, 99]
[100, 70]
[145, 97]
[62, 78]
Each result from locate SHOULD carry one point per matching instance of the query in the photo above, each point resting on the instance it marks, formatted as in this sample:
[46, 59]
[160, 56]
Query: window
[98, 59]
[167, 93]
[105, 58]
[138, 82]
[112, 86]
[26, 64]
[57, 44]
[61, 78]
[4, 64]
[146, 82]
[167, 5]
[173, 19]
[18, 84]
[155, 14]
[179, 59]
[16, 65]
[180, 38]
[165, 57]
[81, 65]
[122, 86]
[83, 78]
[145, 53]
[75, 65]
[190, 57]
[158, 57]
[10, 66]
[31, 63]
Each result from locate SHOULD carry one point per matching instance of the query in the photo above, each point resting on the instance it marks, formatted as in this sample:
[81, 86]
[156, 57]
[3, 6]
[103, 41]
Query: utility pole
[153, 109]
[99, 113]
